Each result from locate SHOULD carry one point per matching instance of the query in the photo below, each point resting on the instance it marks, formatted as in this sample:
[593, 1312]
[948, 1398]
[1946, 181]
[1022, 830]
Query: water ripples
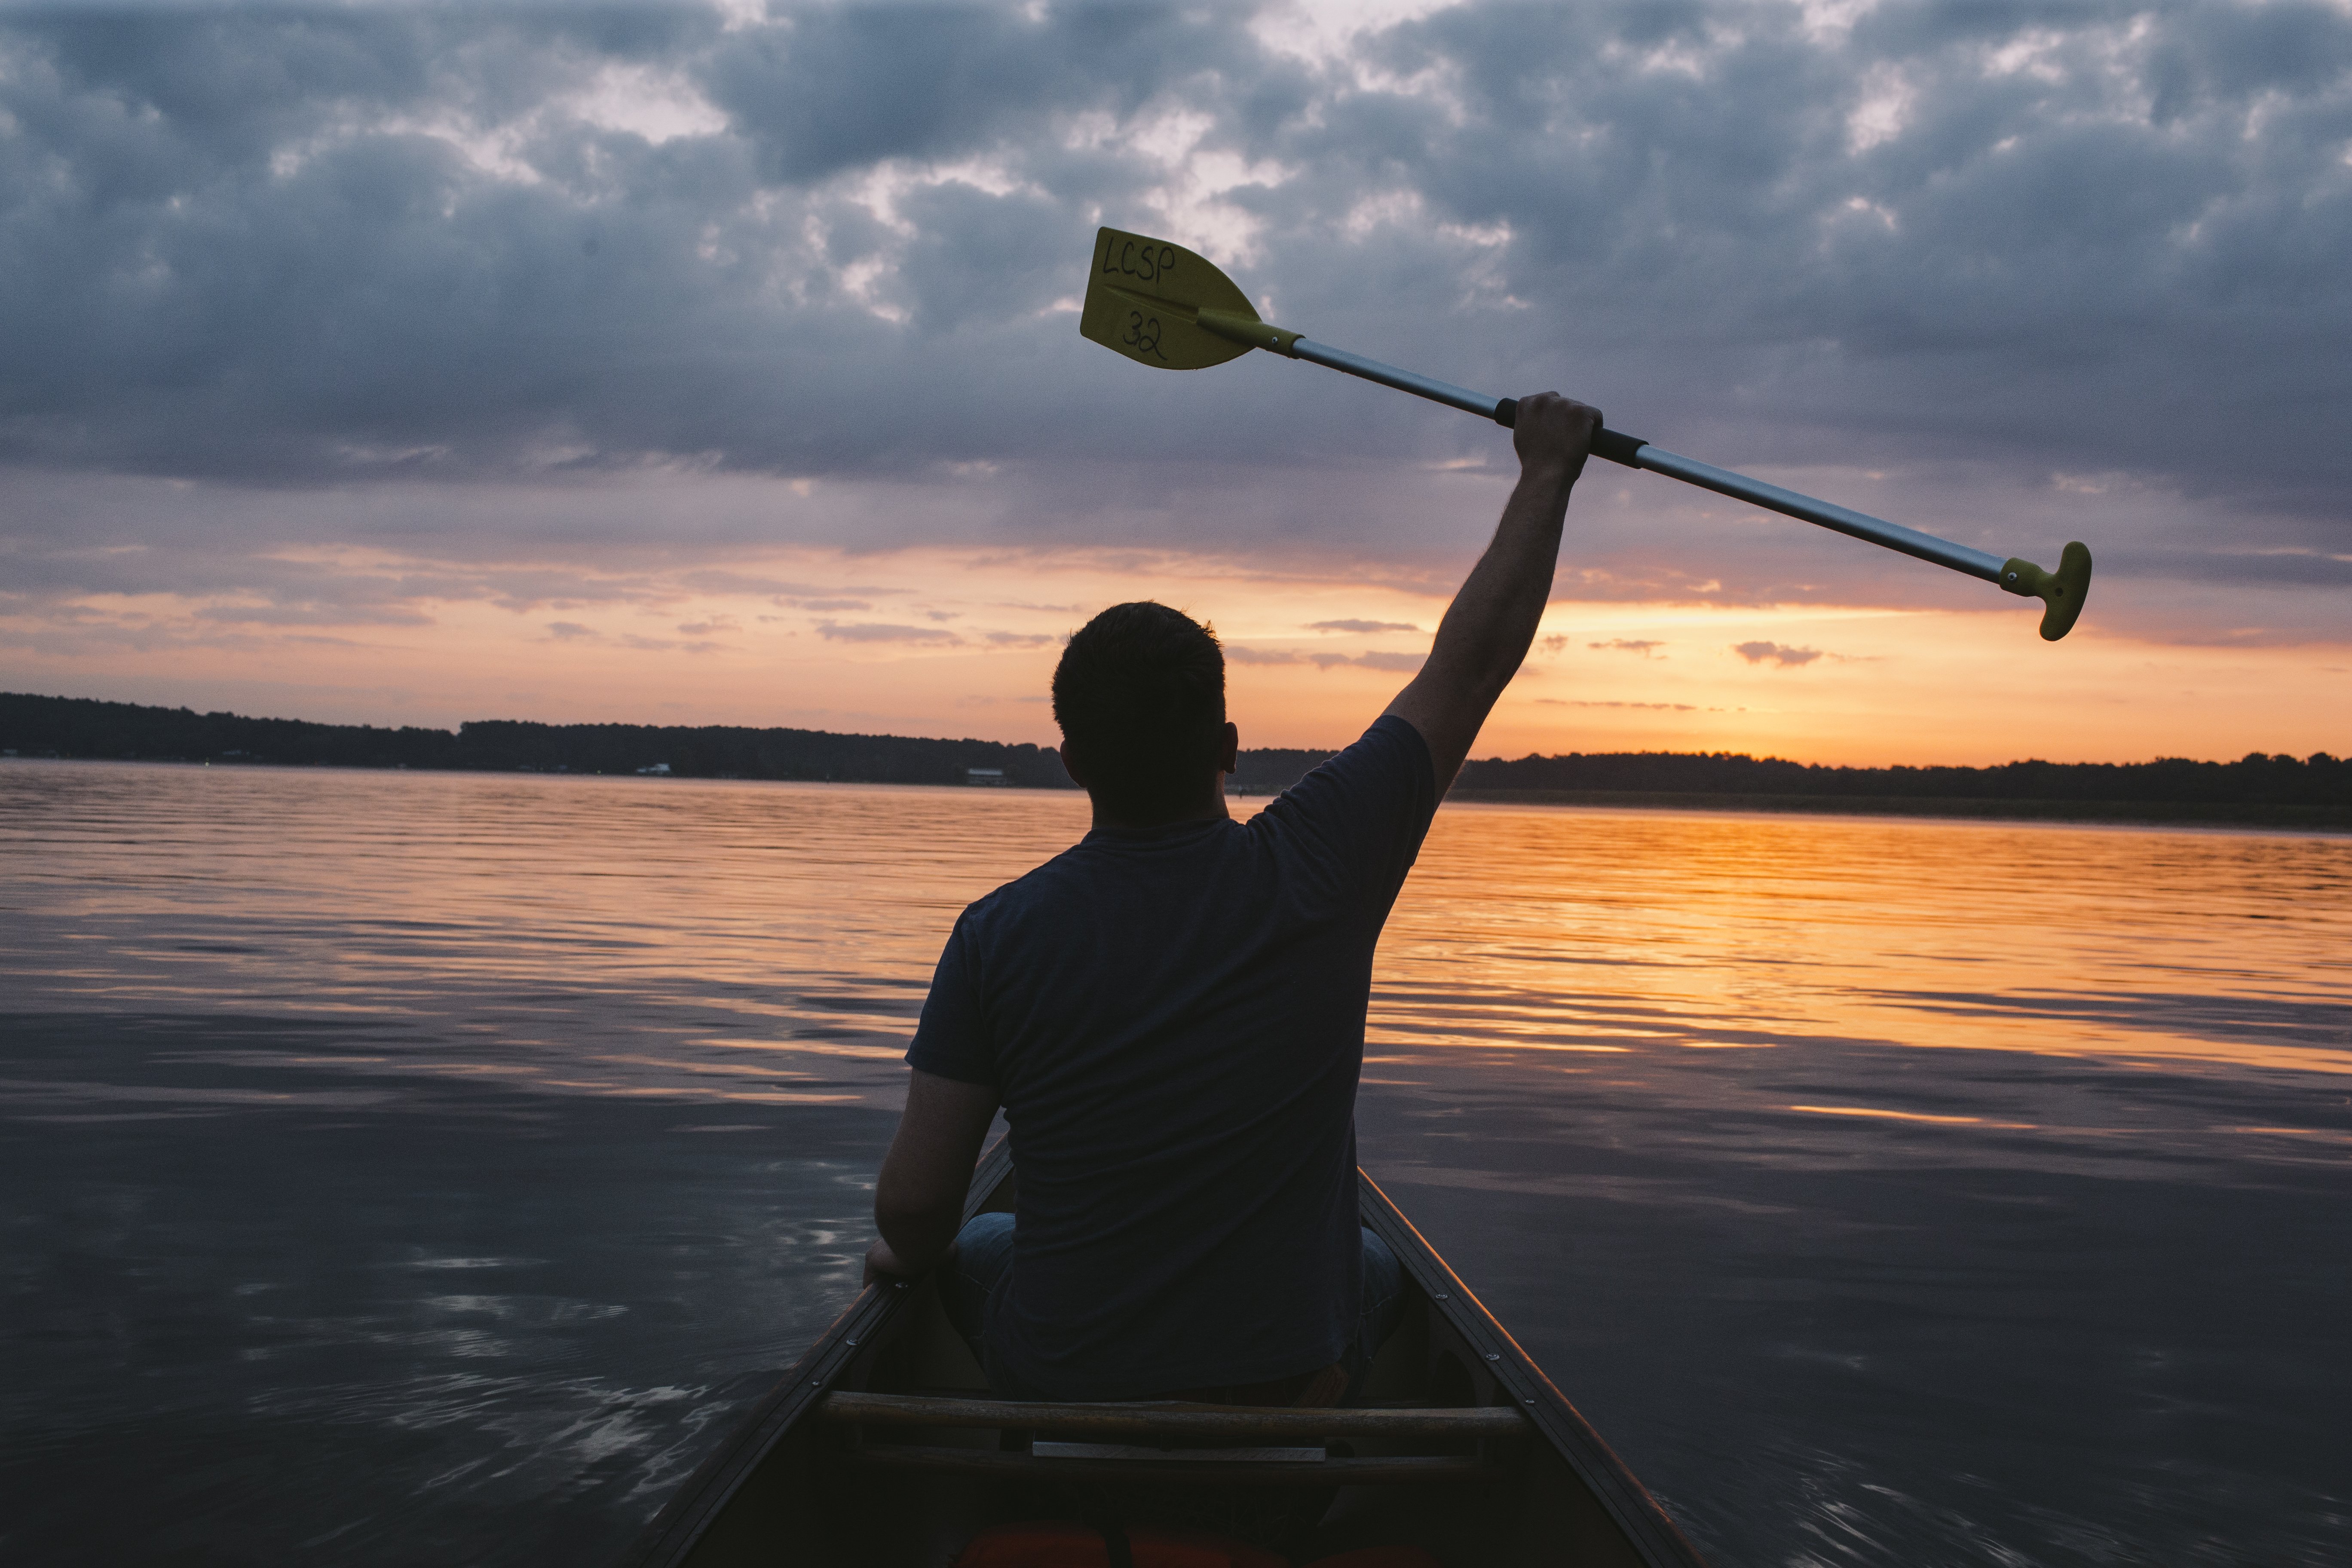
[404, 1164]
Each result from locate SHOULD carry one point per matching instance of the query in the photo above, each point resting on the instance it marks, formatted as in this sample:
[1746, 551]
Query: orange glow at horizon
[962, 644]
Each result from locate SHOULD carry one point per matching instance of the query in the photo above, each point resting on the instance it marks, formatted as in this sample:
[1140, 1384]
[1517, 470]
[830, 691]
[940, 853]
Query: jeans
[981, 1260]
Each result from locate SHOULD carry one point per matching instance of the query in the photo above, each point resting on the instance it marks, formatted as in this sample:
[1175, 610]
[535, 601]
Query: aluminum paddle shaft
[2061, 591]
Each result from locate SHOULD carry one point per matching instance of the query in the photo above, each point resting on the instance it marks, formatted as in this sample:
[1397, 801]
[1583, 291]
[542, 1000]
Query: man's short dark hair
[1140, 695]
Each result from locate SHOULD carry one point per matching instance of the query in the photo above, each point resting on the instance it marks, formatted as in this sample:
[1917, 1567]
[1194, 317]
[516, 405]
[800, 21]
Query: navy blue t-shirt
[1174, 1020]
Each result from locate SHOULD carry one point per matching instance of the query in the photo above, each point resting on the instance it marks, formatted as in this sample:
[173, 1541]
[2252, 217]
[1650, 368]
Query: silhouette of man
[1171, 1014]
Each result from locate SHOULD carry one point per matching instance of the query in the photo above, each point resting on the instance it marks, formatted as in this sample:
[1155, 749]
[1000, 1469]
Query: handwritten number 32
[1143, 335]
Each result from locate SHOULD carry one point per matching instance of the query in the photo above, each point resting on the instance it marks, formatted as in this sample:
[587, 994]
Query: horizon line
[974, 740]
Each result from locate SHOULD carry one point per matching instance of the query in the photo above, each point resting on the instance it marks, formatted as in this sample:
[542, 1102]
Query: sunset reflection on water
[1882, 1189]
[789, 931]
[1534, 927]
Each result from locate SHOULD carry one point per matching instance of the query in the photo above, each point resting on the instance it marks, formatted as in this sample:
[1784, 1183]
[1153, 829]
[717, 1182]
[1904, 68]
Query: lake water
[403, 1167]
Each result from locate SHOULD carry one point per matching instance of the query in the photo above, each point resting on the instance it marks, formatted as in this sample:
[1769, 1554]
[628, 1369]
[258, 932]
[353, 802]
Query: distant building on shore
[992, 778]
[659, 769]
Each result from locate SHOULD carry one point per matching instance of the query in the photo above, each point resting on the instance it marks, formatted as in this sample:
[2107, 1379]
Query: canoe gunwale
[1637, 1514]
[705, 1494]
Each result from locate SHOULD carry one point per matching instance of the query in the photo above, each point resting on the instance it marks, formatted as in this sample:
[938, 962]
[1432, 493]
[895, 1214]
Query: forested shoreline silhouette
[2259, 787]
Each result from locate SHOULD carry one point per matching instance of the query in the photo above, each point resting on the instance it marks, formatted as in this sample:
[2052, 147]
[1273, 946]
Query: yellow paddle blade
[1144, 299]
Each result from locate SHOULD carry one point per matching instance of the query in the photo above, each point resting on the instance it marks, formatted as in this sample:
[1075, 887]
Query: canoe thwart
[1170, 1419]
[1043, 1449]
[1196, 1469]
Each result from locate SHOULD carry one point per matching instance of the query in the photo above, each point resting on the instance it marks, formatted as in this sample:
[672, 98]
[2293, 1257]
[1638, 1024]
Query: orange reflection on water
[712, 941]
[1541, 925]
[732, 940]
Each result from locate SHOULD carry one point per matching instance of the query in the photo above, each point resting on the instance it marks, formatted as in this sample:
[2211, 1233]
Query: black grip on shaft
[1617, 446]
[1613, 445]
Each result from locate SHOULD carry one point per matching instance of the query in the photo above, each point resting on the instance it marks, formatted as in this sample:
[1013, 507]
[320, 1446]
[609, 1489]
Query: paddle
[1161, 305]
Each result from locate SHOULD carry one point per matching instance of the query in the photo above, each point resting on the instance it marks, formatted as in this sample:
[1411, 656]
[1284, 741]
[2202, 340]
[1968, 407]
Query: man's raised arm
[1487, 629]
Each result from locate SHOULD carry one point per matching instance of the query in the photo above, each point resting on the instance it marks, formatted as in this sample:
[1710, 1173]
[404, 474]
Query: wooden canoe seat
[1166, 1418]
[1284, 1446]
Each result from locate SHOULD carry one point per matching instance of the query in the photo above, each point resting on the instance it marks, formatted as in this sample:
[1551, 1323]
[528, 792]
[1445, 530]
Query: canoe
[883, 1448]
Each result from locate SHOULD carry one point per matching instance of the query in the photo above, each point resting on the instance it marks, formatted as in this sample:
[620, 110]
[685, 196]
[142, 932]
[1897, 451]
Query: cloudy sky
[410, 364]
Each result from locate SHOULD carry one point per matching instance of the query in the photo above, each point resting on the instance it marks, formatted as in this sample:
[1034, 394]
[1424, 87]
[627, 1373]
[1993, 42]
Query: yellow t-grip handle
[2062, 592]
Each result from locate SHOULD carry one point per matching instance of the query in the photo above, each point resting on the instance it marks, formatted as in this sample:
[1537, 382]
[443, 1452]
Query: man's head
[1140, 697]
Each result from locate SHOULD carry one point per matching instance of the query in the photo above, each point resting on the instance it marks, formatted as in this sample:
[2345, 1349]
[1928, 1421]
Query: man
[1171, 1014]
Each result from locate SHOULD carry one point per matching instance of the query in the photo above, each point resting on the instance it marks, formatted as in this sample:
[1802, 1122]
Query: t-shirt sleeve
[951, 1038]
[1363, 814]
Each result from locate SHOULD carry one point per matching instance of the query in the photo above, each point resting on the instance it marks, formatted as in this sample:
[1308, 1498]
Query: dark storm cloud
[2080, 244]
[284, 246]
[2083, 236]
[840, 88]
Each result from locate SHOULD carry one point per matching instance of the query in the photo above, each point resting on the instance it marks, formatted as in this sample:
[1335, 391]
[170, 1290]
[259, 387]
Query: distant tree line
[79, 727]
[2319, 780]
[1272, 769]
[76, 727]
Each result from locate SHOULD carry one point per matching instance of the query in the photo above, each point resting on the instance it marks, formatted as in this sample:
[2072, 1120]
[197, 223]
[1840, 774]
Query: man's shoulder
[1040, 887]
[1389, 759]
[1392, 741]
[1107, 869]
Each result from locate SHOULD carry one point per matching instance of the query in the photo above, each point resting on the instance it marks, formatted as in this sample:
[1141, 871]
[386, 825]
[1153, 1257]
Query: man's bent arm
[1488, 627]
[919, 1198]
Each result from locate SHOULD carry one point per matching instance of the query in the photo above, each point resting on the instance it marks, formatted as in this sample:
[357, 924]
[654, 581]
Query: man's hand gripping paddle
[1161, 305]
